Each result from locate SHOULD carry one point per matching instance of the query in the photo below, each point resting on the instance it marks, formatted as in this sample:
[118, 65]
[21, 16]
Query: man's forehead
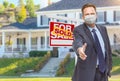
[89, 9]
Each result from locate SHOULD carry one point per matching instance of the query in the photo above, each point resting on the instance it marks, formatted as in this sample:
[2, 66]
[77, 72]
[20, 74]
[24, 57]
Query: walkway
[49, 70]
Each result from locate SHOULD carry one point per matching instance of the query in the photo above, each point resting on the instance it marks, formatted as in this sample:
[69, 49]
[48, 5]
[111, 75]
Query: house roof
[14, 26]
[29, 23]
[76, 4]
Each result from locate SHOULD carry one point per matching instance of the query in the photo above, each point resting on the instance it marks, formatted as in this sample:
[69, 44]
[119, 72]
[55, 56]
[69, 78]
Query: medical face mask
[90, 19]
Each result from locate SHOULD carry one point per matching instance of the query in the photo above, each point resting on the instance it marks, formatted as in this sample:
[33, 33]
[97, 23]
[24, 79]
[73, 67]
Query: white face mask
[90, 19]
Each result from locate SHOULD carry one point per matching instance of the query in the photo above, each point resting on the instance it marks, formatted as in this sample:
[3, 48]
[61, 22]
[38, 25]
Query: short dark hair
[88, 5]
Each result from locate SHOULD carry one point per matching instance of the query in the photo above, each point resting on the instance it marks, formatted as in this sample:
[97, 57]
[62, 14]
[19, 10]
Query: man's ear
[83, 17]
[96, 16]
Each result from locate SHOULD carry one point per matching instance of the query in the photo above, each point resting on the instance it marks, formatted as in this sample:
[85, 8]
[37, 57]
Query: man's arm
[109, 54]
[78, 45]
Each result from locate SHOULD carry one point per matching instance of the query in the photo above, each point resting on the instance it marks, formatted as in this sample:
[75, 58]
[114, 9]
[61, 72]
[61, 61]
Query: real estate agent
[92, 46]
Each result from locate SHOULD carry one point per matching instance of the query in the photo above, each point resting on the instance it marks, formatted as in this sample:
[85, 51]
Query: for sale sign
[61, 34]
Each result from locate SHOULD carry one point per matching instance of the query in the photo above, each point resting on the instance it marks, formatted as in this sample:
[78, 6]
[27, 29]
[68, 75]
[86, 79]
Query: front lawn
[116, 66]
[71, 64]
[17, 66]
[46, 79]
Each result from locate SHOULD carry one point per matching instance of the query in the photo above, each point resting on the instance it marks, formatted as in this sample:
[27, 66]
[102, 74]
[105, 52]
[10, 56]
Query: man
[92, 47]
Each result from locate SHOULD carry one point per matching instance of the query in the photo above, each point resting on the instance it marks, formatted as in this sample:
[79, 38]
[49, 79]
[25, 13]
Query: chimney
[49, 2]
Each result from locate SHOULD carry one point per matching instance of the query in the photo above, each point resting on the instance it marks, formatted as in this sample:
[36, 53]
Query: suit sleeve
[110, 54]
[78, 42]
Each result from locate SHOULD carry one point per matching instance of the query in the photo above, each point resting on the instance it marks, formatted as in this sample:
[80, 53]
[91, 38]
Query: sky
[35, 1]
[43, 3]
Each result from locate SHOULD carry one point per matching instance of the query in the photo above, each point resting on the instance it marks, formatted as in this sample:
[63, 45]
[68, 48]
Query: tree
[21, 3]
[30, 8]
[37, 7]
[12, 5]
[2, 8]
[5, 3]
[11, 17]
[21, 12]
[21, 15]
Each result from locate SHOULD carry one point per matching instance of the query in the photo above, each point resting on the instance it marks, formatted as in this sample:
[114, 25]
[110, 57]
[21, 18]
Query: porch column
[3, 42]
[38, 20]
[29, 41]
[38, 44]
[45, 39]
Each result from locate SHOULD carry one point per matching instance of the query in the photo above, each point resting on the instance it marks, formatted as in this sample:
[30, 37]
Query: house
[33, 34]
[69, 11]
[23, 37]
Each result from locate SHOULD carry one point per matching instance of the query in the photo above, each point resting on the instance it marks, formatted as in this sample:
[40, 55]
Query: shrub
[37, 53]
[42, 62]
[61, 69]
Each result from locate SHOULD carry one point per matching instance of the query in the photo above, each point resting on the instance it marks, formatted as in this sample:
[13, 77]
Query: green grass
[66, 77]
[44, 79]
[116, 66]
[17, 66]
[69, 68]
[115, 69]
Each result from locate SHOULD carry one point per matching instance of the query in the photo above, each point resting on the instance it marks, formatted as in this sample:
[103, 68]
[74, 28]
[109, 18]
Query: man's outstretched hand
[81, 51]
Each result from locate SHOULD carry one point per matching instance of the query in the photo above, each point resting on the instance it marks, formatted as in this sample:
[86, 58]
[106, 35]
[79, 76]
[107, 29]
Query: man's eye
[87, 14]
[92, 13]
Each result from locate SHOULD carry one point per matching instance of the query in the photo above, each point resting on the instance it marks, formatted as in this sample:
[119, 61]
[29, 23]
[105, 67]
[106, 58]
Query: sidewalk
[49, 70]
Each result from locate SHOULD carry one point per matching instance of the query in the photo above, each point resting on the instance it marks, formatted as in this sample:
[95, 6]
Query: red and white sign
[61, 34]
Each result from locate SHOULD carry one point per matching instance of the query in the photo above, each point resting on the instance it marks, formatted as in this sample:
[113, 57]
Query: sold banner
[61, 34]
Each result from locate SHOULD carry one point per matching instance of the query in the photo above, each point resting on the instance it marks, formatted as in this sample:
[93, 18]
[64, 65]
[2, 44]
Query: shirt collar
[90, 28]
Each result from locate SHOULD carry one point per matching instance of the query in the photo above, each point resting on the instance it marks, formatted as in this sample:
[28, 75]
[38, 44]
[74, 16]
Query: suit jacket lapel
[103, 34]
[89, 34]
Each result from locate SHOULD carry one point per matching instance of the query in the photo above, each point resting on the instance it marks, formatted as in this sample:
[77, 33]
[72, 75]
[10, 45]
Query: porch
[16, 41]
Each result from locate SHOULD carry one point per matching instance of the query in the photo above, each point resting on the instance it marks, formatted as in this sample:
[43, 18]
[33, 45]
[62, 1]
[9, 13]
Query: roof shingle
[29, 23]
[76, 4]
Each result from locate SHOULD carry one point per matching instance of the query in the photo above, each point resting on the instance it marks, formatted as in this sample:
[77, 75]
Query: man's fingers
[83, 57]
[84, 46]
[81, 51]
[82, 54]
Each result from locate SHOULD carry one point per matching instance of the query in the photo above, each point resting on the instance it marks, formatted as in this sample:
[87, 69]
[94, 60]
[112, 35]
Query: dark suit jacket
[85, 70]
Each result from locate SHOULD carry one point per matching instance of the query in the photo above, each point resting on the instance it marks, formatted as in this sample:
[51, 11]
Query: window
[116, 15]
[21, 41]
[47, 41]
[41, 22]
[101, 17]
[44, 20]
[80, 15]
[0, 40]
[34, 41]
[42, 41]
[62, 15]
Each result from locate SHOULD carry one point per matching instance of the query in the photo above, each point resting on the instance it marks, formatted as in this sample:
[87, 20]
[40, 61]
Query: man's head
[89, 13]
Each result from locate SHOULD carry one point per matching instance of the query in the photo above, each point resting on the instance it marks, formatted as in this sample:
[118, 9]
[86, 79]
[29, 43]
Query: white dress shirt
[100, 40]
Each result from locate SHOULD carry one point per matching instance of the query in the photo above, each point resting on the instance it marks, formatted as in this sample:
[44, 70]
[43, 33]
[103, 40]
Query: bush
[118, 51]
[37, 53]
[42, 62]
[62, 65]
